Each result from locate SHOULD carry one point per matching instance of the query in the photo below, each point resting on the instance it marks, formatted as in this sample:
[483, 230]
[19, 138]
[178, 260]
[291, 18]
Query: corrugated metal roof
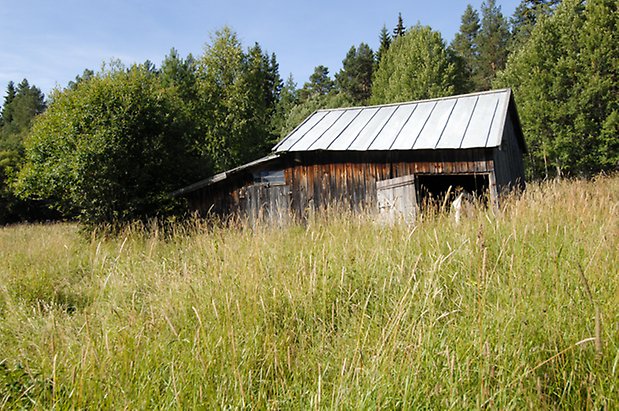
[467, 121]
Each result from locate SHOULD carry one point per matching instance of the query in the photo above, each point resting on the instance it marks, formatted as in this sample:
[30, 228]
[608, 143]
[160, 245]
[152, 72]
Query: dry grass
[340, 313]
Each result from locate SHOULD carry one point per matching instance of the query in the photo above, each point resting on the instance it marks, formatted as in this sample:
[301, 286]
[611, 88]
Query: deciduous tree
[110, 150]
[416, 66]
[566, 82]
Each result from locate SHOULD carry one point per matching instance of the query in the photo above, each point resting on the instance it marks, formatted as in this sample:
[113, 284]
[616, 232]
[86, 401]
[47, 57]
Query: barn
[390, 158]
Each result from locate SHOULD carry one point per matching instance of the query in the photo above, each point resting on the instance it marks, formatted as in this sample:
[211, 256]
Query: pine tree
[319, 83]
[464, 48]
[355, 77]
[492, 45]
[399, 29]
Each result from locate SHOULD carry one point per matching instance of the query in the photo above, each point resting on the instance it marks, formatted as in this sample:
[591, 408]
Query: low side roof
[226, 174]
[467, 121]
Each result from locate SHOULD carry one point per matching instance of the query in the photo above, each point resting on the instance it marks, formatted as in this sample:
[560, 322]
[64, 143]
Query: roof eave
[225, 175]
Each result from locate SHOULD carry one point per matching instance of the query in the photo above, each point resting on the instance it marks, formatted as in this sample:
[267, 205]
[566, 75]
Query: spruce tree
[526, 15]
[6, 115]
[235, 98]
[21, 105]
[181, 74]
[287, 100]
[492, 45]
[399, 29]
[384, 43]
[464, 48]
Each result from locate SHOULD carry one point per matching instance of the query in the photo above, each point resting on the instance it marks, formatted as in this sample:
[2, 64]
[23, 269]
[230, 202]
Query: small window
[270, 177]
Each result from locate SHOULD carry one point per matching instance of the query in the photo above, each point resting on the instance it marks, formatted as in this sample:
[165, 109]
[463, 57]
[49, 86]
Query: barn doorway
[434, 191]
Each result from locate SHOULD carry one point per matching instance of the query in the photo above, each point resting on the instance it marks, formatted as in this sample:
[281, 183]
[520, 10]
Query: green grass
[339, 313]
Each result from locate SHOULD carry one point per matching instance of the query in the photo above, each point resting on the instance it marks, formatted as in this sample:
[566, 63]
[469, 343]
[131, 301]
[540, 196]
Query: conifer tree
[6, 115]
[492, 45]
[355, 77]
[399, 29]
[181, 74]
[464, 48]
[287, 100]
[384, 43]
[526, 15]
[21, 105]
[237, 97]
[319, 83]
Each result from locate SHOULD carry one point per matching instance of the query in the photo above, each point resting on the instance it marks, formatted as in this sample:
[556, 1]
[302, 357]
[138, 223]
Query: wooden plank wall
[315, 180]
[509, 167]
[319, 184]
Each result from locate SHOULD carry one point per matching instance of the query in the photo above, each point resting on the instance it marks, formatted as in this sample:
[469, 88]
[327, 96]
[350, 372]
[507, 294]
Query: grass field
[518, 310]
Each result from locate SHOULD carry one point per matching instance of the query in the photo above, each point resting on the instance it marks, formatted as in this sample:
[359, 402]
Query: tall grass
[338, 313]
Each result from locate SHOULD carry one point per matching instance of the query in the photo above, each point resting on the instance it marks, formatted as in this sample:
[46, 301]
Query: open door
[397, 199]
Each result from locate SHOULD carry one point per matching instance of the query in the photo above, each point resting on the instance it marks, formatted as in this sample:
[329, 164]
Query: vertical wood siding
[316, 180]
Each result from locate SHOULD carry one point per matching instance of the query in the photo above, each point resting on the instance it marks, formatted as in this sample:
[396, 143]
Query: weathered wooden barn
[389, 158]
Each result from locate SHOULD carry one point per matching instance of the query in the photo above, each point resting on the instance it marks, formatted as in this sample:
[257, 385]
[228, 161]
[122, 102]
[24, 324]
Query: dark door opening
[432, 189]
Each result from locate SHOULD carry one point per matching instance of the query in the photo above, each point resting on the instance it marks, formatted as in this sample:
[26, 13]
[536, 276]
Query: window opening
[269, 177]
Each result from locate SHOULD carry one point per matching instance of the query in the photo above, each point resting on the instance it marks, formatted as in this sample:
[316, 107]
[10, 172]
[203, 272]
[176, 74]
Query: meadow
[506, 310]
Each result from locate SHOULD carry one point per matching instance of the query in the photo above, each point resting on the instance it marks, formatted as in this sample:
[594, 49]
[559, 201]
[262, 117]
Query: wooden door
[267, 202]
[397, 199]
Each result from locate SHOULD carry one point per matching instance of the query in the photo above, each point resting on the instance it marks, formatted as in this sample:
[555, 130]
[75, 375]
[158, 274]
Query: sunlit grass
[338, 313]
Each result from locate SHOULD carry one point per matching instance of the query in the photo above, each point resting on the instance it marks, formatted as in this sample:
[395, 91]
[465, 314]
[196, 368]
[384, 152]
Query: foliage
[110, 150]
[319, 84]
[87, 74]
[289, 98]
[492, 45]
[341, 313]
[384, 43]
[355, 77]
[21, 106]
[399, 29]
[238, 93]
[526, 16]
[416, 66]
[464, 49]
[305, 108]
[566, 82]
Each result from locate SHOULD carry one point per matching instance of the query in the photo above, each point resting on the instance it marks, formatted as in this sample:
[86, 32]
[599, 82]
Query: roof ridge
[477, 93]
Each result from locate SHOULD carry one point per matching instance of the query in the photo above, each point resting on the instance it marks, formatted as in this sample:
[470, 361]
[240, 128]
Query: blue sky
[50, 42]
